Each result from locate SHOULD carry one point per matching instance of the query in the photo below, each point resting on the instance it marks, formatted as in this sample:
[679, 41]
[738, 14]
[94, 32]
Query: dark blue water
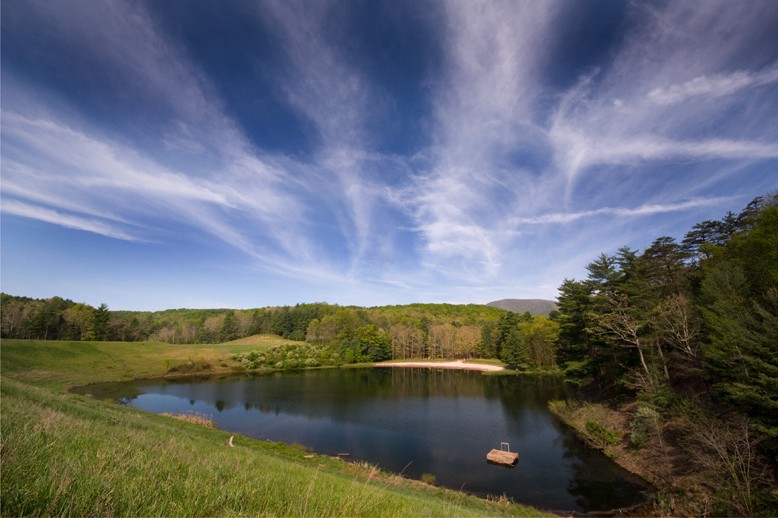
[411, 421]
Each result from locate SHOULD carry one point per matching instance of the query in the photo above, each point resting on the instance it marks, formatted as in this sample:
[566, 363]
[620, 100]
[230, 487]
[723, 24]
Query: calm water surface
[412, 421]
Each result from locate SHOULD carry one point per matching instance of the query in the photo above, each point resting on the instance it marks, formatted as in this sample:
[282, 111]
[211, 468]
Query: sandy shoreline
[459, 364]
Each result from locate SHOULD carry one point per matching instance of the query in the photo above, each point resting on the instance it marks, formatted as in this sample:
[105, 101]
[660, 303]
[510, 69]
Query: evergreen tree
[740, 306]
[229, 328]
[102, 323]
[513, 351]
[576, 349]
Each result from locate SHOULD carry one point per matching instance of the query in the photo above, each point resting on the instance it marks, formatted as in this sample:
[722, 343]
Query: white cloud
[76, 174]
[224, 187]
[120, 42]
[643, 210]
[470, 213]
[638, 110]
[104, 228]
[482, 114]
[711, 87]
[318, 80]
[578, 150]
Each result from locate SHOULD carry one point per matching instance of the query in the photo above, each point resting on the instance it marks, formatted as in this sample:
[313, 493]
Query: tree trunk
[643, 360]
[664, 363]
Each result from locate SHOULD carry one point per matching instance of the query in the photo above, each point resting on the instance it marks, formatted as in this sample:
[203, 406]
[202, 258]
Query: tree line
[690, 329]
[62, 319]
[356, 334]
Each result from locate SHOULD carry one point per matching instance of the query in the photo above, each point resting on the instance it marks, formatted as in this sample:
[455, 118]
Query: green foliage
[643, 425]
[577, 347]
[229, 328]
[506, 326]
[586, 419]
[461, 314]
[288, 357]
[576, 371]
[680, 312]
[530, 344]
[661, 398]
[539, 336]
[455, 331]
[292, 322]
[101, 323]
[513, 351]
[367, 344]
[697, 320]
[739, 292]
[601, 435]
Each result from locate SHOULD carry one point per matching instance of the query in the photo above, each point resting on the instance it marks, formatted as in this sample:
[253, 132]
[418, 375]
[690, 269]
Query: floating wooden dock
[503, 456]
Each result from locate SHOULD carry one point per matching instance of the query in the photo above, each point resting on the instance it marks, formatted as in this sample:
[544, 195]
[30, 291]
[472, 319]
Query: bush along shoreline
[695, 463]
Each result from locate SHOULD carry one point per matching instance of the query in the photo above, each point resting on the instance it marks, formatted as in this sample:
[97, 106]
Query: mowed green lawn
[64, 454]
[62, 364]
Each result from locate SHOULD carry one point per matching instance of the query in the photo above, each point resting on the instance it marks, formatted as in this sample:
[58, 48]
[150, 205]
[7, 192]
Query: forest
[701, 315]
[687, 331]
[355, 334]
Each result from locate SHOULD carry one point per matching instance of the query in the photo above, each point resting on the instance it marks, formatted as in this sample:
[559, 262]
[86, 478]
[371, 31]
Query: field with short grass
[58, 365]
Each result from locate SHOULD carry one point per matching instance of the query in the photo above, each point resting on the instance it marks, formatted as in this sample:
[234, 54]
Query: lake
[410, 421]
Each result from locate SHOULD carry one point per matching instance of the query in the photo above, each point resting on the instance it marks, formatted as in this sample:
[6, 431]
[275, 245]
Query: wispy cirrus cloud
[578, 150]
[141, 127]
[335, 97]
[57, 217]
[222, 187]
[712, 87]
[205, 175]
[622, 212]
[483, 113]
[640, 108]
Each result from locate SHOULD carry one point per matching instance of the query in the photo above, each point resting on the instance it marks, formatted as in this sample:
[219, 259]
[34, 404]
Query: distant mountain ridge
[534, 306]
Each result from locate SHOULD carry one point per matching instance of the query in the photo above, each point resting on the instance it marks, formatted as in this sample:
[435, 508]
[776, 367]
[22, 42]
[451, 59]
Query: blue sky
[246, 154]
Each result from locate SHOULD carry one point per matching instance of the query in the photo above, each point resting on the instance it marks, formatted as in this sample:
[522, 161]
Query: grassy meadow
[65, 454]
[60, 364]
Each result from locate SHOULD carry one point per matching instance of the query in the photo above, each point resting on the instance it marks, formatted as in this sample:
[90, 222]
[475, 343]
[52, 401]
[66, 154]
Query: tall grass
[64, 454]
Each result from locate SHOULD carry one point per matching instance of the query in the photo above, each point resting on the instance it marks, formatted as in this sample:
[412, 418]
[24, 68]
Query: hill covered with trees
[538, 307]
[349, 334]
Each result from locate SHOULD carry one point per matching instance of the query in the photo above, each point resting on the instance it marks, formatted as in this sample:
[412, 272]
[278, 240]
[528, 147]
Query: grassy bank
[61, 364]
[64, 454]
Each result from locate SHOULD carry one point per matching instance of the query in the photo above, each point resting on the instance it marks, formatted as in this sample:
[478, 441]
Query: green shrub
[428, 478]
[600, 435]
[642, 426]
[289, 357]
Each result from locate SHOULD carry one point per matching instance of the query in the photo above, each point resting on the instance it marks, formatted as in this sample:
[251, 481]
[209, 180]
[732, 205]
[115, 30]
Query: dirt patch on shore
[458, 364]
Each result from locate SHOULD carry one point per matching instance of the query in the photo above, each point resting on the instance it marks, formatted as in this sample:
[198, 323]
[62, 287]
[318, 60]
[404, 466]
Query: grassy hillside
[60, 364]
[64, 454]
[259, 341]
